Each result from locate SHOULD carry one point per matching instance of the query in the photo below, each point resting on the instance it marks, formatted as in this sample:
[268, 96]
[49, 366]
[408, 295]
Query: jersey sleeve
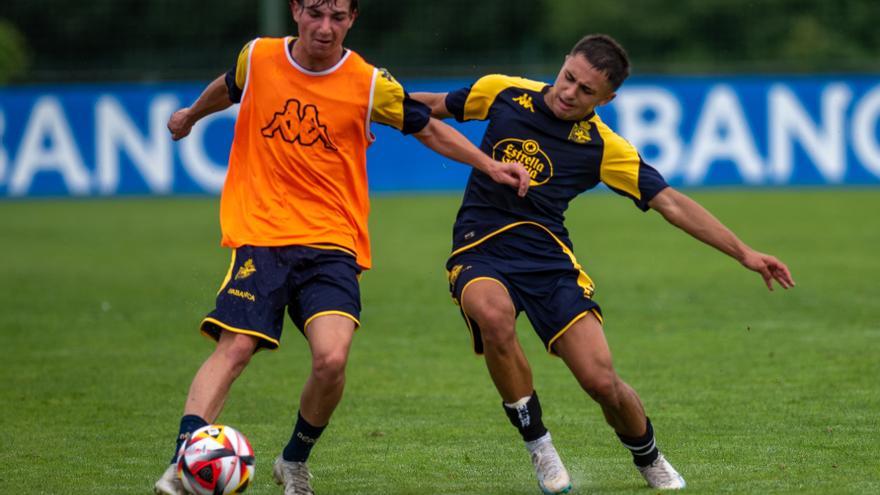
[455, 102]
[624, 172]
[236, 78]
[393, 107]
[474, 102]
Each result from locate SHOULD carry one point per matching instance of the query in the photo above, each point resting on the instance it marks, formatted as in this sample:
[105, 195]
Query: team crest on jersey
[246, 270]
[527, 152]
[580, 132]
[526, 102]
[299, 123]
[386, 75]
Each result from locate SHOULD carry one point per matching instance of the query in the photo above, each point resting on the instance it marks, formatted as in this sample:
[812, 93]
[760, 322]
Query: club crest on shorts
[246, 270]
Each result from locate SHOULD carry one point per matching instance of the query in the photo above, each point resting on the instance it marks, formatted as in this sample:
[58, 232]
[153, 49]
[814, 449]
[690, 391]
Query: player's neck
[315, 64]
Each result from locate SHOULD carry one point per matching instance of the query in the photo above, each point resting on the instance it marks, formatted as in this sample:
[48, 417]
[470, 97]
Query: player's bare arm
[688, 215]
[214, 98]
[436, 102]
[445, 140]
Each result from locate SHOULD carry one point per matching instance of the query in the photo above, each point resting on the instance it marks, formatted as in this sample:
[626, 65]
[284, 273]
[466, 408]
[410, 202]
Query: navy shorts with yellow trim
[540, 275]
[262, 281]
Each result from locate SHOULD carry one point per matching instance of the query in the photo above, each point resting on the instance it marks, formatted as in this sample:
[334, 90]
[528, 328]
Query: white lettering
[864, 131]
[206, 173]
[151, 155]
[723, 134]
[789, 122]
[651, 116]
[48, 123]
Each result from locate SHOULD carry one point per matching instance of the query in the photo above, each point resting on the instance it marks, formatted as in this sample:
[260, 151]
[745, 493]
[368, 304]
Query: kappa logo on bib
[299, 123]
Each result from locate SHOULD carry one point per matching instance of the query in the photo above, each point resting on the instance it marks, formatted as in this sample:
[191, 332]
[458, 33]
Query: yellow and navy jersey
[564, 159]
[391, 105]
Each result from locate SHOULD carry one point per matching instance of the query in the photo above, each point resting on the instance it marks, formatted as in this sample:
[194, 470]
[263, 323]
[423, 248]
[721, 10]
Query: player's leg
[210, 387]
[585, 351]
[326, 309]
[329, 339]
[207, 394]
[488, 304]
[240, 323]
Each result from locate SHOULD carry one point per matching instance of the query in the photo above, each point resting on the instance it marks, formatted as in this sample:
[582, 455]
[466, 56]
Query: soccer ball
[216, 460]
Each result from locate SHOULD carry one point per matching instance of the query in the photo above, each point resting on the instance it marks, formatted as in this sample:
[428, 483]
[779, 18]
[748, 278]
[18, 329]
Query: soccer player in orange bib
[513, 254]
[294, 211]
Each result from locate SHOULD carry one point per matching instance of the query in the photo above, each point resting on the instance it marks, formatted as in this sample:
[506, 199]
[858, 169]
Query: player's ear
[352, 13]
[608, 98]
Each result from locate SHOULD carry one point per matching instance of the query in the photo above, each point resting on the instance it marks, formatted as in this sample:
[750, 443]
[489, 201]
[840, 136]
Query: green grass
[749, 391]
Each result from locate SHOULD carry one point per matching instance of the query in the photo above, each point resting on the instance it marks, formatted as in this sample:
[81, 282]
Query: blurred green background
[149, 40]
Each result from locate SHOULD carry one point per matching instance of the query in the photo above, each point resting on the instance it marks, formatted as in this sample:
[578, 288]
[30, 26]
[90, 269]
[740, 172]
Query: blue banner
[104, 140]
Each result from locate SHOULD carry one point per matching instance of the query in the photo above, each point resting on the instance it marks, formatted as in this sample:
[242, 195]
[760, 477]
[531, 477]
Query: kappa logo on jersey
[299, 123]
[527, 152]
[580, 132]
[246, 270]
[526, 102]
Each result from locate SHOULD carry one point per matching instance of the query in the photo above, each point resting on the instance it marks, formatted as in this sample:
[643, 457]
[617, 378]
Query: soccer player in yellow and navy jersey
[512, 254]
[294, 212]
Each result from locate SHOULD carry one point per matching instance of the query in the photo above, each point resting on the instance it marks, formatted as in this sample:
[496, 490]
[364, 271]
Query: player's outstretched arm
[214, 98]
[435, 101]
[688, 215]
[445, 140]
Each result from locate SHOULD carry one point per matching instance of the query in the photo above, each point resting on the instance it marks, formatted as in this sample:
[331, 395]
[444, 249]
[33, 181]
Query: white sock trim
[519, 403]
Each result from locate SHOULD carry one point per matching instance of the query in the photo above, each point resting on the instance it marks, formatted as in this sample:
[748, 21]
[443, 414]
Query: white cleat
[660, 474]
[169, 483]
[294, 476]
[551, 473]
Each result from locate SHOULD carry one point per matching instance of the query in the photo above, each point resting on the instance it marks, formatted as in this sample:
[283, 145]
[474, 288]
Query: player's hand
[512, 174]
[769, 268]
[180, 124]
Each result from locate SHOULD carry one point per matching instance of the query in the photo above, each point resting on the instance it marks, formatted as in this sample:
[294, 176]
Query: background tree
[194, 39]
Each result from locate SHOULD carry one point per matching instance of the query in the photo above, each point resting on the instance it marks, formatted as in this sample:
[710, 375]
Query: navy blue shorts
[262, 281]
[539, 273]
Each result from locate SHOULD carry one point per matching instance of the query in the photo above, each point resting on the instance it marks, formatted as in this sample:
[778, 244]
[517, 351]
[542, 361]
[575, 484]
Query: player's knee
[603, 389]
[498, 329]
[329, 367]
[497, 323]
[237, 350]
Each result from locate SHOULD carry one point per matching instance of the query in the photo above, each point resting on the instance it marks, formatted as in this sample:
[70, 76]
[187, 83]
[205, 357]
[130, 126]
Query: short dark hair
[352, 7]
[606, 55]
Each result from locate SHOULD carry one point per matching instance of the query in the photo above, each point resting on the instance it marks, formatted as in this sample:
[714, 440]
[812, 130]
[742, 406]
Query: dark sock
[527, 418]
[301, 442]
[644, 448]
[188, 424]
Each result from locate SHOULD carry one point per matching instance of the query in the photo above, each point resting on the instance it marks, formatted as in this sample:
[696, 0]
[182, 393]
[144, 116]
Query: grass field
[749, 391]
